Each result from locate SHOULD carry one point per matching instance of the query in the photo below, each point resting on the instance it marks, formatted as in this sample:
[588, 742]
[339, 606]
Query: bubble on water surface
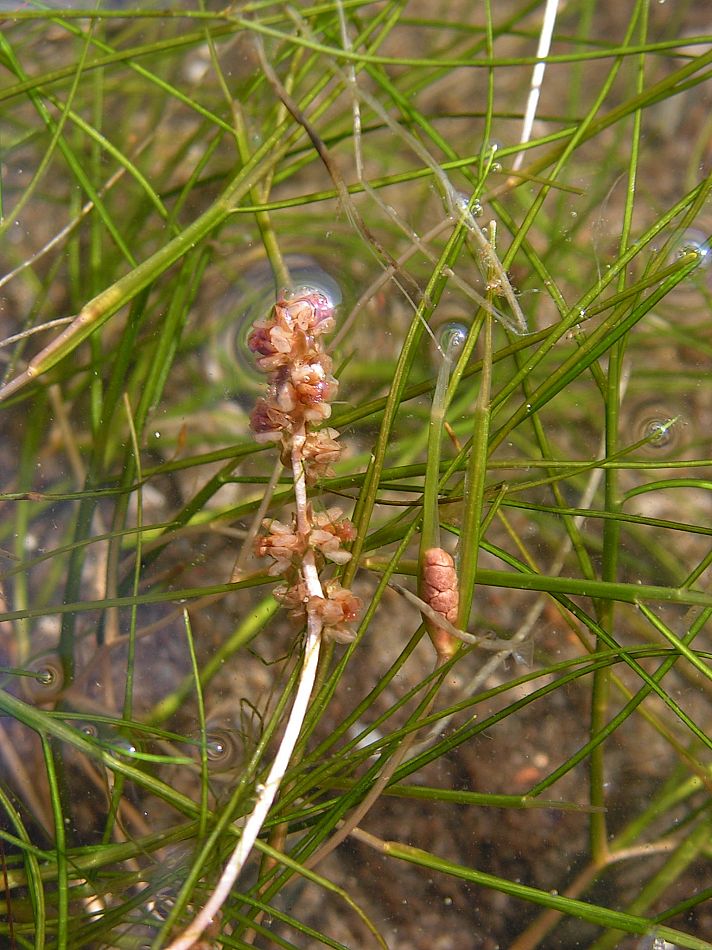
[452, 338]
[223, 747]
[47, 679]
[691, 293]
[694, 241]
[228, 359]
[662, 428]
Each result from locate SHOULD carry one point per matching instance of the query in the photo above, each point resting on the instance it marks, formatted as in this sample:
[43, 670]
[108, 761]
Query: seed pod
[439, 589]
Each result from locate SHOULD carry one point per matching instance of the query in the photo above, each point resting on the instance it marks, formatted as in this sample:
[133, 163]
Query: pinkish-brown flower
[282, 543]
[272, 343]
[313, 382]
[301, 404]
[331, 520]
[268, 421]
[309, 310]
[328, 533]
[293, 597]
[337, 609]
[317, 413]
[286, 345]
[319, 452]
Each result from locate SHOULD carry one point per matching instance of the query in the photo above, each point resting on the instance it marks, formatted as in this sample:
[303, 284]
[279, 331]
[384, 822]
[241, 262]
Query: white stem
[266, 793]
[547, 30]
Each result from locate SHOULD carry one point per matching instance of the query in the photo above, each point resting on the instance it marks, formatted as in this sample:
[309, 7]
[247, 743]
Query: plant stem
[267, 793]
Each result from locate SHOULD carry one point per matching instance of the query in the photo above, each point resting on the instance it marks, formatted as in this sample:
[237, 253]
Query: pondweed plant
[319, 301]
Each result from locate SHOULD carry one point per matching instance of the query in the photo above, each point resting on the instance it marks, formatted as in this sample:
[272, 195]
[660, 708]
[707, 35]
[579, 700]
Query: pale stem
[355, 105]
[266, 793]
[547, 30]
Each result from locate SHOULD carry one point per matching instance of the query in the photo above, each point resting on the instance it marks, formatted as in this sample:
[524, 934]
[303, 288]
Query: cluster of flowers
[288, 347]
[287, 547]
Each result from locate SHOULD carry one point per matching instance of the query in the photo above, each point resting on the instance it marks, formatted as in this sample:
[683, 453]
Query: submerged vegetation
[320, 335]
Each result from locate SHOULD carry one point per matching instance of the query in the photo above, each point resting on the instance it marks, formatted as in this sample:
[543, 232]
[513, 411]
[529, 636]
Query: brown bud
[439, 589]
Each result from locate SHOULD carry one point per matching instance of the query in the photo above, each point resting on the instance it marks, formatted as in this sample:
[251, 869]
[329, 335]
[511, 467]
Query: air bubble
[228, 359]
[215, 749]
[659, 427]
[326, 286]
[465, 206]
[659, 433]
[223, 747]
[452, 338]
[123, 746]
[46, 680]
[695, 242]
[224, 751]
[461, 203]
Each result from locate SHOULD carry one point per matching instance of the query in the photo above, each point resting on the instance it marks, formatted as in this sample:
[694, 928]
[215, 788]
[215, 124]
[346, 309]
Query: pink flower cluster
[288, 347]
[287, 547]
[337, 609]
